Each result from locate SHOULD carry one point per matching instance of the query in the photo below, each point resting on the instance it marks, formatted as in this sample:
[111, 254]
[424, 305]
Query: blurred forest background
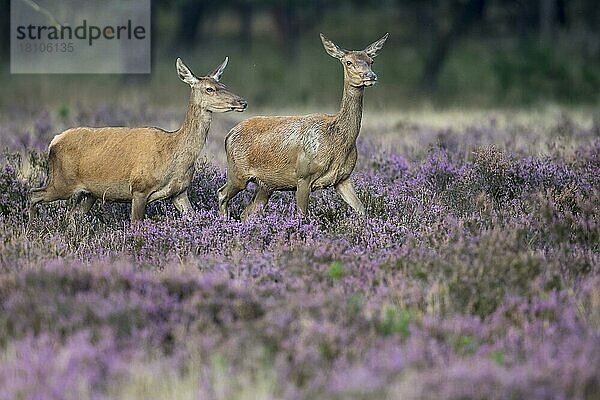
[446, 53]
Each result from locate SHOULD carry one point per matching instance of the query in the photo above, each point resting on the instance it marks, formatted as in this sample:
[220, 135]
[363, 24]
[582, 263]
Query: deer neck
[194, 130]
[349, 118]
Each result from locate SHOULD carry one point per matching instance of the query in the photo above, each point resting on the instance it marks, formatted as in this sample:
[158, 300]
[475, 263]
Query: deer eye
[348, 62]
[210, 90]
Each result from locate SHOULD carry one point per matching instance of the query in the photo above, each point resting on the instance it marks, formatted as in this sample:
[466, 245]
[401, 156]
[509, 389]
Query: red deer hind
[302, 153]
[140, 165]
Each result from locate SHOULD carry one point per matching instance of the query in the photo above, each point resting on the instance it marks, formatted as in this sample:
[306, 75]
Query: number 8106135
[47, 47]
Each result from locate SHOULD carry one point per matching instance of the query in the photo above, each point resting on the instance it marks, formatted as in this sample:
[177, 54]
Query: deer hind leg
[228, 192]
[37, 196]
[138, 206]
[346, 191]
[303, 194]
[84, 202]
[87, 203]
[182, 203]
[260, 199]
[45, 195]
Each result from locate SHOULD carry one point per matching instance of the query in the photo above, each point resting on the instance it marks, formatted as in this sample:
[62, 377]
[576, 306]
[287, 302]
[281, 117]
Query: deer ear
[331, 48]
[185, 74]
[216, 74]
[374, 47]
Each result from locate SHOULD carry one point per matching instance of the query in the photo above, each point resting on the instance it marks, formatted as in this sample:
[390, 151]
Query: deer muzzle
[243, 104]
[369, 78]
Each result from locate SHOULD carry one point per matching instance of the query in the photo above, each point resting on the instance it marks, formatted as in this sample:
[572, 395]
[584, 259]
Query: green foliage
[395, 321]
[531, 69]
[356, 303]
[497, 356]
[336, 270]
[64, 111]
[464, 344]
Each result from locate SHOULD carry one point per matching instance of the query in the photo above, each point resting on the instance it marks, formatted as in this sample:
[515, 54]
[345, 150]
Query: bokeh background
[447, 53]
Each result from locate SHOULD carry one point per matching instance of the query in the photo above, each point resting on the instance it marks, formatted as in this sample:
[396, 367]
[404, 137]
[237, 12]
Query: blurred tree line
[436, 24]
[433, 28]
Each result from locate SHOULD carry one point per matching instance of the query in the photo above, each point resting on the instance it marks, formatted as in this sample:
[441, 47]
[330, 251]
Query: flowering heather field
[475, 275]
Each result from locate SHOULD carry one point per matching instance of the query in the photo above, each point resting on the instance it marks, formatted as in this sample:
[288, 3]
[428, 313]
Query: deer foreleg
[138, 206]
[302, 195]
[346, 191]
[182, 203]
[261, 198]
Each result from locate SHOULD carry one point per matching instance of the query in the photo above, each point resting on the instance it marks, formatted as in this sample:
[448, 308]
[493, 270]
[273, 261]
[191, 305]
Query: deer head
[357, 64]
[208, 92]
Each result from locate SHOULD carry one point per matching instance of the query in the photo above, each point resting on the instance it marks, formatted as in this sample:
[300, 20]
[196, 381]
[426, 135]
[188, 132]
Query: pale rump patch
[55, 140]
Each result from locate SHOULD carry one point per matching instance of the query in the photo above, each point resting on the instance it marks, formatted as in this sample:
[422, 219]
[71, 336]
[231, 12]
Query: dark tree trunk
[471, 12]
[528, 19]
[425, 22]
[561, 13]
[286, 21]
[245, 38]
[190, 16]
[547, 20]
[5, 29]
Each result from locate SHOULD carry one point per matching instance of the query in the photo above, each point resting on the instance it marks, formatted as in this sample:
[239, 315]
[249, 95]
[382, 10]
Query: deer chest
[339, 169]
[173, 185]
